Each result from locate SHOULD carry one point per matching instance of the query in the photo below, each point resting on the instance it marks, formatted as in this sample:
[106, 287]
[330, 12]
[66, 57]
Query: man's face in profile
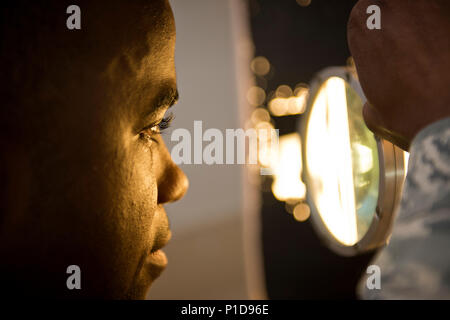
[85, 172]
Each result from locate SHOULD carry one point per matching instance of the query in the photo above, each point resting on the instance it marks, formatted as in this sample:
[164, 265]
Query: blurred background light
[259, 115]
[301, 212]
[287, 184]
[278, 107]
[256, 96]
[260, 66]
[304, 3]
[287, 102]
[267, 147]
[283, 91]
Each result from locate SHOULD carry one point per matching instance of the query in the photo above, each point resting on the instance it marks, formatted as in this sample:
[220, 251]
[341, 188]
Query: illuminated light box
[353, 178]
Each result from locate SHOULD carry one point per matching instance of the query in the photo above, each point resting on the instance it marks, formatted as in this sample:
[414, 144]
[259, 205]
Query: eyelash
[148, 132]
[165, 123]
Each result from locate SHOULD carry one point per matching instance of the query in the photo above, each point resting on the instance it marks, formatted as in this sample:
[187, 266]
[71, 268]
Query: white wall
[207, 87]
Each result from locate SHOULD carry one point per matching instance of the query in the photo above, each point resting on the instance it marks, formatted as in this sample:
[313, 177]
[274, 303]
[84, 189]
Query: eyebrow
[167, 98]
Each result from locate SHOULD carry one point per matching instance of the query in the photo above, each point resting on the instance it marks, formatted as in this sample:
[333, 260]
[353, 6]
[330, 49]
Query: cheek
[141, 192]
[134, 200]
[133, 197]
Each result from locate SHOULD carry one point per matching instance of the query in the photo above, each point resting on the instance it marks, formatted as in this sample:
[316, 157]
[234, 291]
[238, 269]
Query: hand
[404, 68]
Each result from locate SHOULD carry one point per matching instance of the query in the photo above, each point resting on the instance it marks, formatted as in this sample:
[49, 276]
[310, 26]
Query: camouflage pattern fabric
[416, 262]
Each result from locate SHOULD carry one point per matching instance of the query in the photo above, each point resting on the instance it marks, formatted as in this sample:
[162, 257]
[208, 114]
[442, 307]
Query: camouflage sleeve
[416, 262]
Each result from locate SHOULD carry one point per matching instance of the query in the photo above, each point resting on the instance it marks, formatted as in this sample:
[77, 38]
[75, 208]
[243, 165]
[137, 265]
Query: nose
[172, 185]
[171, 180]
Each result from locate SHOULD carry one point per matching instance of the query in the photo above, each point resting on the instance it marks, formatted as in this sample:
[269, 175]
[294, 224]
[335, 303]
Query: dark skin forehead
[143, 75]
[48, 68]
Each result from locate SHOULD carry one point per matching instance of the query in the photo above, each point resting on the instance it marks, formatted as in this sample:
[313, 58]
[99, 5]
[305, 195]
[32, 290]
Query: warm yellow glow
[304, 3]
[260, 66]
[267, 149]
[301, 212]
[260, 115]
[256, 96]
[301, 97]
[406, 161]
[300, 87]
[328, 133]
[283, 91]
[266, 155]
[365, 157]
[287, 169]
[287, 102]
[288, 106]
[278, 106]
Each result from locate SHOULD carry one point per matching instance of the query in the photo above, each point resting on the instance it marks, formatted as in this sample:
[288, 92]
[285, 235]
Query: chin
[149, 273]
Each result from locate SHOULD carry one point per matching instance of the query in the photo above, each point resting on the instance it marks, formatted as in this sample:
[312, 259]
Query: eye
[149, 132]
[164, 123]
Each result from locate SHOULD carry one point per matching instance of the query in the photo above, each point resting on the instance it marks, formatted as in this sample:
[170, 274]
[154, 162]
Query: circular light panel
[352, 200]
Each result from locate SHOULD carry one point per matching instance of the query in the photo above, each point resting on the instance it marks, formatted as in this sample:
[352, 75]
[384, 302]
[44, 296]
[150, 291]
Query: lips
[157, 259]
[161, 241]
[156, 262]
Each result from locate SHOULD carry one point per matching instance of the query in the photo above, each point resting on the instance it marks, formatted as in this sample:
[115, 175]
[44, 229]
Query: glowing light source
[301, 97]
[259, 115]
[285, 103]
[283, 91]
[287, 169]
[256, 96]
[267, 149]
[301, 212]
[345, 187]
[299, 87]
[364, 157]
[278, 106]
[354, 178]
